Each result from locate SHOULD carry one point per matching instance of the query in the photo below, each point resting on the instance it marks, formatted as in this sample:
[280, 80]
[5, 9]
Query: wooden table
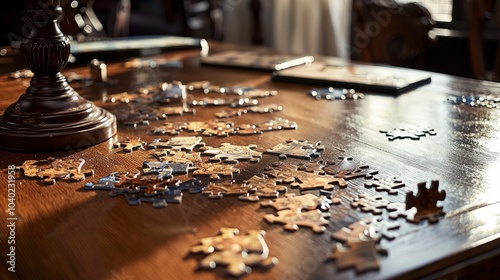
[65, 232]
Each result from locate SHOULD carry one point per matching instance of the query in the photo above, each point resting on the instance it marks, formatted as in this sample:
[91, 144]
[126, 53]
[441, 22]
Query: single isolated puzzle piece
[186, 143]
[296, 148]
[214, 170]
[367, 203]
[374, 228]
[130, 145]
[238, 253]
[389, 184]
[293, 219]
[360, 254]
[53, 169]
[232, 153]
[348, 169]
[425, 201]
[299, 203]
[413, 133]
[219, 189]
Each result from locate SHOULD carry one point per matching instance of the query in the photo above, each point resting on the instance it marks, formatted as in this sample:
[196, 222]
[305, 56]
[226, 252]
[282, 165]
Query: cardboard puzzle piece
[170, 128]
[397, 210]
[219, 189]
[332, 93]
[247, 129]
[367, 203]
[229, 153]
[312, 167]
[374, 228]
[425, 201]
[281, 172]
[413, 133]
[238, 253]
[215, 170]
[265, 187]
[348, 169]
[276, 124]
[139, 190]
[176, 156]
[163, 170]
[108, 182]
[296, 148]
[212, 128]
[186, 143]
[193, 185]
[308, 181]
[53, 169]
[362, 255]
[299, 203]
[130, 145]
[292, 219]
[389, 184]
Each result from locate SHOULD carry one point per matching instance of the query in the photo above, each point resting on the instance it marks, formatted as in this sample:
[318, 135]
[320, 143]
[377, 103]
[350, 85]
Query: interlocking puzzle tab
[360, 254]
[130, 145]
[53, 169]
[238, 253]
[425, 201]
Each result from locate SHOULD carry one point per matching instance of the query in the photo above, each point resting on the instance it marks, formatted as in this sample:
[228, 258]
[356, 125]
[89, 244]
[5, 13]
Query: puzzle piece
[214, 170]
[53, 169]
[170, 128]
[163, 170]
[368, 203]
[193, 185]
[425, 202]
[299, 203]
[219, 189]
[308, 181]
[282, 172]
[232, 153]
[262, 109]
[292, 219]
[413, 133]
[247, 129]
[276, 124]
[374, 228]
[399, 210]
[312, 167]
[389, 184]
[176, 156]
[187, 143]
[108, 182]
[360, 254]
[243, 102]
[296, 148]
[130, 145]
[348, 169]
[230, 113]
[138, 190]
[264, 187]
[237, 252]
[212, 128]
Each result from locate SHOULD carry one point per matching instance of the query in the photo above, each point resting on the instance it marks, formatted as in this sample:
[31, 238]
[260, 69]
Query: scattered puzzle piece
[413, 133]
[296, 148]
[425, 201]
[308, 181]
[232, 153]
[219, 189]
[292, 219]
[359, 254]
[230, 113]
[399, 210]
[374, 228]
[53, 169]
[265, 187]
[238, 253]
[131, 145]
[214, 170]
[176, 156]
[282, 172]
[368, 203]
[262, 109]
[170, 128]
[348, 169]
[276, 124]
[389, 184]
[164, 170]
[193, 185]
[299, 203]
[187, 143]
[312, 167]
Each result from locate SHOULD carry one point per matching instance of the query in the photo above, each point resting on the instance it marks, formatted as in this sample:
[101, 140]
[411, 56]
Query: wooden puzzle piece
[238, 253]
[360, 254]
[53, 169]
[265, 187]
[306, 181]
[374, 228]
[299, 203]
[296, 148]
[292, 219]
[348, 169]
[176, 156]
[130, 145]
[367, 203]
[389, 184]
[229, 153]
[170, 128]
[219, 189]
[425, 201]
[186, 143]
[413, 133]
[214, 170]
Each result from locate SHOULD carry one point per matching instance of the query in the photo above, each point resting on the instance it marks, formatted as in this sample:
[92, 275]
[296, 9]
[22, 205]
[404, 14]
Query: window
[441, 10]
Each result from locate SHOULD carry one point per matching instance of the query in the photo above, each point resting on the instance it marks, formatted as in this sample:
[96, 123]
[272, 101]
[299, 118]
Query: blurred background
[457, 37]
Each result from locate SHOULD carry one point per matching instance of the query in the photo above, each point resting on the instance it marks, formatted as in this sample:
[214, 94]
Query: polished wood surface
[65, 232]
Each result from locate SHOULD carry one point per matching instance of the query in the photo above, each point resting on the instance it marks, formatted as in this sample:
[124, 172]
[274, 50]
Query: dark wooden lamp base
[51, 115]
